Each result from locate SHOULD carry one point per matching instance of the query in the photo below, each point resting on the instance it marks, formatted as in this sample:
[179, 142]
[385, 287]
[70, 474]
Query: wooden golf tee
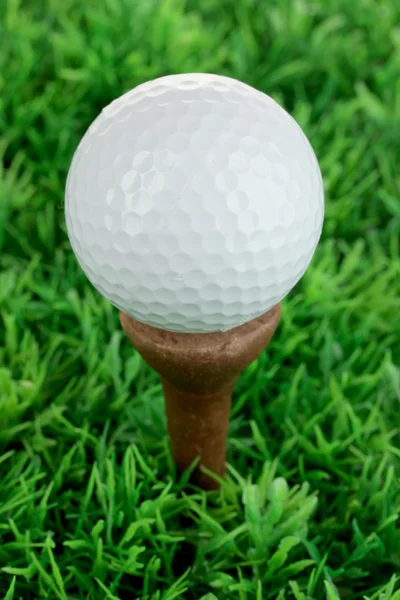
[198, 373]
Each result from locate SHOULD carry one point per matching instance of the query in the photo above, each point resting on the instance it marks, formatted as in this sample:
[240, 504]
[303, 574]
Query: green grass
[90, 505]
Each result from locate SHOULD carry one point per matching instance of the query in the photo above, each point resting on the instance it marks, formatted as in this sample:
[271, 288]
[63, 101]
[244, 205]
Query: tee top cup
[194, 204]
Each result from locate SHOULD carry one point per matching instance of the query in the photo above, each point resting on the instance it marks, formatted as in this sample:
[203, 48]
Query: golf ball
[194, 203]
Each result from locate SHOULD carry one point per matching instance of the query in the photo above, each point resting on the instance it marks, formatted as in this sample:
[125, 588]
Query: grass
[90, 505]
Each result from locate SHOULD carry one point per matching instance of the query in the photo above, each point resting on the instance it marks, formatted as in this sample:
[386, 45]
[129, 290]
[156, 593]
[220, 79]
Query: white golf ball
[194, 203]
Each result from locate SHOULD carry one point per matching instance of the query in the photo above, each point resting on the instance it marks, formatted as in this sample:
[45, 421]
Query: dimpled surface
[194, 203]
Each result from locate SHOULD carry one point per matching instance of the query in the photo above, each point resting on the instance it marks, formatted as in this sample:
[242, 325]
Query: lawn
[90, 505]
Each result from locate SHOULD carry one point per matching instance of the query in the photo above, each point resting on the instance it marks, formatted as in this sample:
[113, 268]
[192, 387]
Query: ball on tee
[194, 203]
